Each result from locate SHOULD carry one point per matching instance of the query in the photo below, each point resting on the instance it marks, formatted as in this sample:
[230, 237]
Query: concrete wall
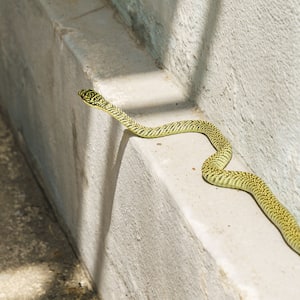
[142, 219]
[240, 62]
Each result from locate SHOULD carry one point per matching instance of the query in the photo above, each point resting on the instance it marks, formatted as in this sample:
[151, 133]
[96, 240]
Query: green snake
[213, 167]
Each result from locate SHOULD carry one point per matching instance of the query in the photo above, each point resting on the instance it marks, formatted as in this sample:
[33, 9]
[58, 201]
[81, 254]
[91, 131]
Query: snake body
[213, 167]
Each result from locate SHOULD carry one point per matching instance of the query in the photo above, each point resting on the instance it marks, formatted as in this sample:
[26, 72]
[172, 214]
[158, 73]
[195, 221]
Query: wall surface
[144, 222]
[240, 62]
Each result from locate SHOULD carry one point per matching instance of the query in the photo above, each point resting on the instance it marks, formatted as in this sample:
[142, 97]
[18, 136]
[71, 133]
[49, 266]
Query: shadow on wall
[159, 34]
[150, 32]
[208, 31]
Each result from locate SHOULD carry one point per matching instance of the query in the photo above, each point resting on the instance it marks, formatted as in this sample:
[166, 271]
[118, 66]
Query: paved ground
[36, 260]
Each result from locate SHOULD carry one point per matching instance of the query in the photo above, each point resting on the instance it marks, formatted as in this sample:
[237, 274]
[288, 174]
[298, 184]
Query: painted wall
[240, 62]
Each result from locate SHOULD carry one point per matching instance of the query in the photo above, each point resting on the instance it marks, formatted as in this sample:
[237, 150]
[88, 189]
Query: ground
[36, 259]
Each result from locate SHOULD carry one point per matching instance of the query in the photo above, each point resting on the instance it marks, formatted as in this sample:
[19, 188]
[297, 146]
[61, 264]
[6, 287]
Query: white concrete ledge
[145, 223]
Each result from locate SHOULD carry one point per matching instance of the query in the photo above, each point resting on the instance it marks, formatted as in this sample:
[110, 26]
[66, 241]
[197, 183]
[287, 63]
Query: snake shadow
[114, 159]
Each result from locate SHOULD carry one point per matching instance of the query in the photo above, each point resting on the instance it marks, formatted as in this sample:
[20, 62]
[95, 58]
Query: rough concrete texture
[243, 57]
[145, 223]
[36, 260]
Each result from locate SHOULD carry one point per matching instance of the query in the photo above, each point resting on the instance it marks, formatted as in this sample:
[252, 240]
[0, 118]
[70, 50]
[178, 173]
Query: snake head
[93, 98]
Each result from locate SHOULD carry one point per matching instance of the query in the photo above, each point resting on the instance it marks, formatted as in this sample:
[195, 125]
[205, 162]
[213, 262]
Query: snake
[213, 168]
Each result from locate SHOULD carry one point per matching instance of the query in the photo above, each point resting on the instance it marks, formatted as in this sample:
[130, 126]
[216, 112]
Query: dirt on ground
[36, 259]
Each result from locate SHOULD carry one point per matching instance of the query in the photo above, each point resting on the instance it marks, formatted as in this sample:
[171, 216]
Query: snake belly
[213, 167]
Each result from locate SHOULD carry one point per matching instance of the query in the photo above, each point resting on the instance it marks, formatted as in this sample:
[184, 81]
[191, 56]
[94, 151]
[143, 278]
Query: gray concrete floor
[36, 260]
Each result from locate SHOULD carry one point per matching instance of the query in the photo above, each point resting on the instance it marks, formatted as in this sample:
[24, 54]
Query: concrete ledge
[145, 223]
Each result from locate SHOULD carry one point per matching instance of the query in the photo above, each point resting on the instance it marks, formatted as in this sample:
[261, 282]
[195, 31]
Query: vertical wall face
[240, 62]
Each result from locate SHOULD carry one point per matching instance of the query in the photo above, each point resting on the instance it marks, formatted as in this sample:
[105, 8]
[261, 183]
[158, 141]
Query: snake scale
[213, 167]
